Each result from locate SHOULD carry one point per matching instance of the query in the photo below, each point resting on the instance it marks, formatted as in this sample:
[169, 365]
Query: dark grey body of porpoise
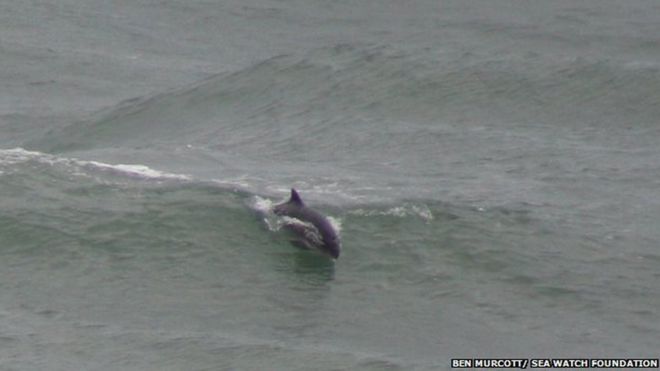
[328, 242]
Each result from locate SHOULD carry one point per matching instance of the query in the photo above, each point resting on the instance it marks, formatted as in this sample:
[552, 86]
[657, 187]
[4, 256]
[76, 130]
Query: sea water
[492, 167]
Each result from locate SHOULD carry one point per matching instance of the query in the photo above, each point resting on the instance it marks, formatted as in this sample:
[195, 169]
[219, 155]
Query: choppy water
[493, 168]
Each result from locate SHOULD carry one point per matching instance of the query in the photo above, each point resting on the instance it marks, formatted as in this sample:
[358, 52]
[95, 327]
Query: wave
[38, 170]
[334, 98]
[359, 124]
[129, 216]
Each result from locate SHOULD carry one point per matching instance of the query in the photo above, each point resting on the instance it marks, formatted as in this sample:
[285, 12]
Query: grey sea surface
[492, 167]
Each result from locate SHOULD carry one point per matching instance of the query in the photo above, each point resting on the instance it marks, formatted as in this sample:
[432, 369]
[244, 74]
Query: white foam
[336, 224]
[19, 155]
[261, 204]
[240, 182]
[399, 211]
[137, 170]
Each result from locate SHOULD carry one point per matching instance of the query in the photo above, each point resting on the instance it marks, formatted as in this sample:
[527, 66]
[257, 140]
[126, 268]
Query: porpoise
[322, 236]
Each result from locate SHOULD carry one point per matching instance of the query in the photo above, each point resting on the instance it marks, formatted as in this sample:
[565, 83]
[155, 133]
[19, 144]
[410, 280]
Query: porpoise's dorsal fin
[295, 198]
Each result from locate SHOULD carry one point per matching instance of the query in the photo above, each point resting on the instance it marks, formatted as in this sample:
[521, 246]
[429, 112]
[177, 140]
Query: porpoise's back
[297, 209]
